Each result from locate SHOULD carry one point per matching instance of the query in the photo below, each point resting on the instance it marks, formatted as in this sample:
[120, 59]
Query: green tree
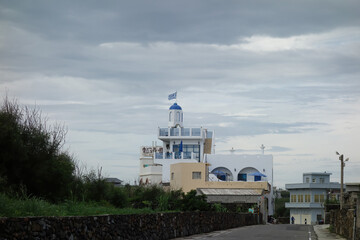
[31, 153]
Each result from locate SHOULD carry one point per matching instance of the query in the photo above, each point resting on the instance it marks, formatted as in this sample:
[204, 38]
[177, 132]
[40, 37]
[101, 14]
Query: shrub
[31, 155]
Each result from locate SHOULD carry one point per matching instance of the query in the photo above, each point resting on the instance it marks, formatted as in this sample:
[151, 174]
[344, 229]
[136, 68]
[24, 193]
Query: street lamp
[341, 158]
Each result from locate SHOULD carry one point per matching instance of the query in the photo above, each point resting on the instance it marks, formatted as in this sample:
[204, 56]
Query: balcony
[304, 205]
[330, 185]
[190, 133]
[174, 155]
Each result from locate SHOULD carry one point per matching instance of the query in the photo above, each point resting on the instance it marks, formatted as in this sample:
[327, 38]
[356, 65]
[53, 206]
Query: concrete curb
[323, 233]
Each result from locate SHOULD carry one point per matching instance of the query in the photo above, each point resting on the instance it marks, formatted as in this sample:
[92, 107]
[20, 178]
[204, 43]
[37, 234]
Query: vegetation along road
[279, 231]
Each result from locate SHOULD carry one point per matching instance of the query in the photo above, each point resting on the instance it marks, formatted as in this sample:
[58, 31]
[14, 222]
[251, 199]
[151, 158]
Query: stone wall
[135, 226]
[342, 222]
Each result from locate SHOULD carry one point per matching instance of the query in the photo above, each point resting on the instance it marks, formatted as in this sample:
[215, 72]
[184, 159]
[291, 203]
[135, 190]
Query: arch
[243, 175]
[222, 173]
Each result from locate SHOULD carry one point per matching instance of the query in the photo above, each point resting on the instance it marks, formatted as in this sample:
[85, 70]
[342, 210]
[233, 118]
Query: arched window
[244, 174]
[222, 173]
[178, 116]
[170, 117]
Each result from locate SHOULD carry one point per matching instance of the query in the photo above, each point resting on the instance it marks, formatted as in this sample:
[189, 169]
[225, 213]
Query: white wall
[235, 163]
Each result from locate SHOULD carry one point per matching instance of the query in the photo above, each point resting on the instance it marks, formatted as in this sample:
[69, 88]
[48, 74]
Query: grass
[30, 206]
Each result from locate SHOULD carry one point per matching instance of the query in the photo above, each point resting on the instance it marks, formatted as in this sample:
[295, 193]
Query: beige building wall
[182, 177]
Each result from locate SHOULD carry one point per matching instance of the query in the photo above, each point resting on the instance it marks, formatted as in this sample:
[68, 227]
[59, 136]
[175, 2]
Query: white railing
[184, 132]
[174, 155]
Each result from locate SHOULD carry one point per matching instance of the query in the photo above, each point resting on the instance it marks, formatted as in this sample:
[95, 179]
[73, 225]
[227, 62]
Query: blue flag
[172, 96]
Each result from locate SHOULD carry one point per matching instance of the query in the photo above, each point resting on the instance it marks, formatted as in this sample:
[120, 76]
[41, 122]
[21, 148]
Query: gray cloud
[245, 69]
[184, 21]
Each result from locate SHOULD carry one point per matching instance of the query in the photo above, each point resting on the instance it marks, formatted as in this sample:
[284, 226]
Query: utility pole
[341, 158]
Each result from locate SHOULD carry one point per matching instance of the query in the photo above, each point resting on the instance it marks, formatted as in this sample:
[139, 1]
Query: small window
[307, 197]
[317, 198]
[300, 198]
[322, 198]
[196, 175]
[242, 177]
[293, 198]
[313, 180]
[170, 117]
[172, 176]
[178, 116]
[307, 180]
[322, 180]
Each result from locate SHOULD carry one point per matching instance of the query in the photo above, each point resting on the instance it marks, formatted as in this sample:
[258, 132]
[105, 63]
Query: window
[257, 178]
[317, 198]
[293, 198]
[300, 198]
[313, 180]
[169, 116]
[307, 180]
[322, 198]
[178, 116]
[196, 175]
[172, 176]
[307, 197]
[321, 180]
[242, 177]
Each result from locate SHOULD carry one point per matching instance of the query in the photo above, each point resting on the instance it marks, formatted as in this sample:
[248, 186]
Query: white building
[307, 198]
[196, 144]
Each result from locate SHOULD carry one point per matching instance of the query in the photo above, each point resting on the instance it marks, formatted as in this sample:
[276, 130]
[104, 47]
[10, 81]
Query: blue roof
[175, 107]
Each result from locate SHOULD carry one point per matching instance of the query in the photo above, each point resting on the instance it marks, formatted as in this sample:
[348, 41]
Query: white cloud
[335, 39]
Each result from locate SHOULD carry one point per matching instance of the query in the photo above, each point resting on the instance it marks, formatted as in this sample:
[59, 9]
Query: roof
[317, 173]
[175, 107]
[330, 185]
[113, 180]
[231, 191]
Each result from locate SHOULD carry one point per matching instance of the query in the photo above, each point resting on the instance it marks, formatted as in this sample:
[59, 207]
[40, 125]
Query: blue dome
[175, 107]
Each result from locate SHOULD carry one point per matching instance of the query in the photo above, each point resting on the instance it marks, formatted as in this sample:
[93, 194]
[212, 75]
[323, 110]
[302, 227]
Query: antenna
[262, 147]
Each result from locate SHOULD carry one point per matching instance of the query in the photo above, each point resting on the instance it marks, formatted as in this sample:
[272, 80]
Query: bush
[192, 202]
[218, 207]
[31, 155]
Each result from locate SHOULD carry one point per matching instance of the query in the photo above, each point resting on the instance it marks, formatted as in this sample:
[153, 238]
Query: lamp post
[341, 158]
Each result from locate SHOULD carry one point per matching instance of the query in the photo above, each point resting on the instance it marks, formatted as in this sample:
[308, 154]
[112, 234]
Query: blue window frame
[257, 178]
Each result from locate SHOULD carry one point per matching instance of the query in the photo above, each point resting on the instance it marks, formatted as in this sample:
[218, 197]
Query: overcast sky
[282, 73]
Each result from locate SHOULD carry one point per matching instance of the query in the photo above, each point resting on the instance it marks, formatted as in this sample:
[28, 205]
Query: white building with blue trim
[182, 144]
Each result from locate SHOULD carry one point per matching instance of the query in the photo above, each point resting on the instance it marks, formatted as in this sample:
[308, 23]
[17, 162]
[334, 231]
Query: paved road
[278, 231]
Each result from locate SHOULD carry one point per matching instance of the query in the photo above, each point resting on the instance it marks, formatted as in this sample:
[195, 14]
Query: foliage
[285, 194]
[31, 155]
[192, 202]
[280, 210]
[32, 206]
[218, 207]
